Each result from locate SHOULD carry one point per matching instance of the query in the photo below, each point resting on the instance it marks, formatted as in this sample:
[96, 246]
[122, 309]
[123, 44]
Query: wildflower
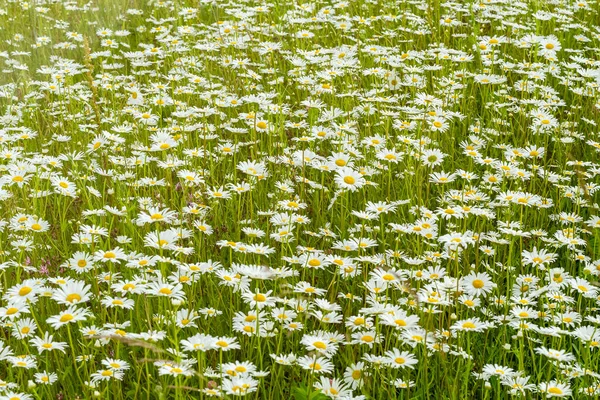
[333, 388]
[319, 344]
[47, 344]
[559, 355]
[106, 375]
[477, 284]
[473, 324]
[226, 344]
[73, 292]
[316, 365]
[348, 179]
[70, 315]
[14, 309]
[555, 389]
[45, 378]
[239, 386]
[115, 255]
[400, 359]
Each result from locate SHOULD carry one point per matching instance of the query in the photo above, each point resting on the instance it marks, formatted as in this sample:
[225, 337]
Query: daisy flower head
[477, 284]
[349, 179]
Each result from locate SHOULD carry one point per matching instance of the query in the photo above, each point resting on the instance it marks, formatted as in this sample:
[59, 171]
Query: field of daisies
[307, 199]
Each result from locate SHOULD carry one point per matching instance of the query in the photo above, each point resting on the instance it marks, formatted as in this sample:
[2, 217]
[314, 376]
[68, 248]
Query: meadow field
[360, 199]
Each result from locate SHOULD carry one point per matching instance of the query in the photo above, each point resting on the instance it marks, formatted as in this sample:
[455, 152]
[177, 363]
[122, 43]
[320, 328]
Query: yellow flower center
[314, 262]
[66, 318]
[25, 290]
[73, 298]
[320, 345]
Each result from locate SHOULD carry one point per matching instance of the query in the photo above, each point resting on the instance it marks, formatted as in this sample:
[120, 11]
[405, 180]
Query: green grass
[386, 199]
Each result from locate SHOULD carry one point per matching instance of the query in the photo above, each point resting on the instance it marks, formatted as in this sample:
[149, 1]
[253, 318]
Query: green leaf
[301, 393]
